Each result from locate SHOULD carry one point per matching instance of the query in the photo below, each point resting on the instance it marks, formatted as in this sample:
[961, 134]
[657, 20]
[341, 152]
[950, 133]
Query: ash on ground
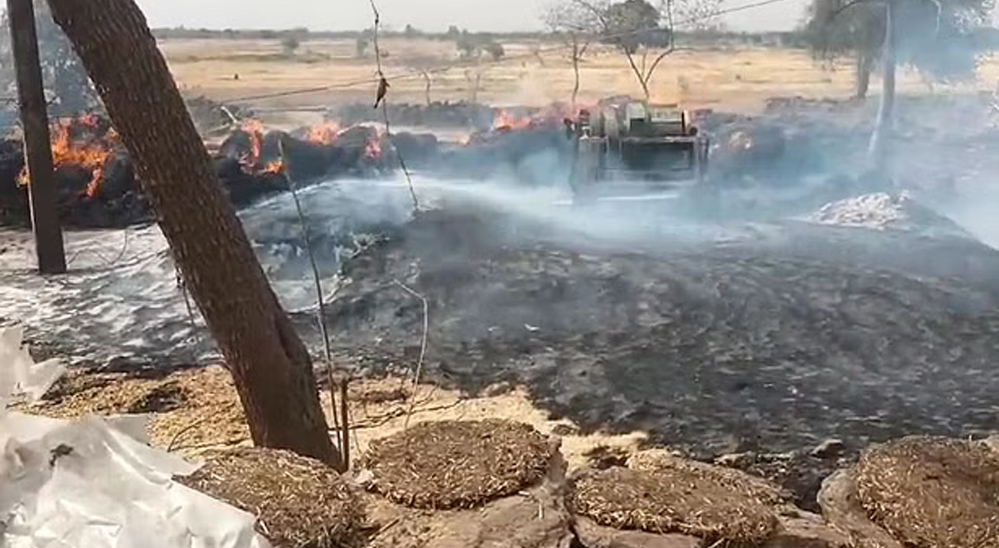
[884, 211]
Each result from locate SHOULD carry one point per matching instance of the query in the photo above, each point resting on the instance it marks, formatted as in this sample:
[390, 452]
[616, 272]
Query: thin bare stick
[332, 387]
[345, 414]
[182, 286]
[423, 347]
[229, 114]
[386, 418]
[180, 433]
[357, 442]
[320, 301]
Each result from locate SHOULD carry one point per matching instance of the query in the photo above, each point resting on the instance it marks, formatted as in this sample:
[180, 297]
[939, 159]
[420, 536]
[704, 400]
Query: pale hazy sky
[434, 15]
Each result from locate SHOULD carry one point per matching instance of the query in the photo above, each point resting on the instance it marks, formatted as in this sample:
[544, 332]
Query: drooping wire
[380, 98]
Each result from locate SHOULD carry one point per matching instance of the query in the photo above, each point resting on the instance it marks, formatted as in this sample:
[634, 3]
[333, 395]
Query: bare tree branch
[848, 5]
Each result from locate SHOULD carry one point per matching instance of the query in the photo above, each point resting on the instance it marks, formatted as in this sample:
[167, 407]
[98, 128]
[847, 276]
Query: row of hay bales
[500, 484]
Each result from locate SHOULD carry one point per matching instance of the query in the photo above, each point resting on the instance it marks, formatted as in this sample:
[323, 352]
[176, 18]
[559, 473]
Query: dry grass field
[725, 77]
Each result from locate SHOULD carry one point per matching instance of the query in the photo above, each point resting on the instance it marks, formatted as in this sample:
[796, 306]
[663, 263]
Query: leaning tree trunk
[270, 365]
[865, 65]
[879, 146]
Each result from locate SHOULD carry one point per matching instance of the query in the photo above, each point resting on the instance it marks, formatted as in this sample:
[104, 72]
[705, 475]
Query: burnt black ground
[773, 341]
[715, 338]
[765, 338]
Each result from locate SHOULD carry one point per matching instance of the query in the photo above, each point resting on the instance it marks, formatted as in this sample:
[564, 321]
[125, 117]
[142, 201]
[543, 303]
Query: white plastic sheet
[93, 482]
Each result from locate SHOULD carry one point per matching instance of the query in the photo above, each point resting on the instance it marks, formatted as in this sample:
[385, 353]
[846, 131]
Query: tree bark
[879, 148]
[865, 65]
[269, 364]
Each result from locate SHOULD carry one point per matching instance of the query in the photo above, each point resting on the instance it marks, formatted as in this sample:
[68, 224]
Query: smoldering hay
[93, 482]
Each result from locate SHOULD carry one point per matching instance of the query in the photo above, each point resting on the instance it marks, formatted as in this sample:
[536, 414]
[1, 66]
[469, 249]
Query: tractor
[633, 149]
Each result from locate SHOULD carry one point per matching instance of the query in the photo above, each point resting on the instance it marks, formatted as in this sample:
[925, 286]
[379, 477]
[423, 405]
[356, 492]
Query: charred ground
[713, 347]
[717, 326]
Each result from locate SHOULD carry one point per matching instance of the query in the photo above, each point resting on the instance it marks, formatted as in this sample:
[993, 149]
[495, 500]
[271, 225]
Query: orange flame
[373, 148]
[504, 120]
[255, 129]
[276, 166]
[325, 133]
[551, 115]
[91, 152]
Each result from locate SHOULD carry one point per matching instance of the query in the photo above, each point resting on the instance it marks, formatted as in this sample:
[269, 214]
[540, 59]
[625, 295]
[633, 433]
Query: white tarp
[93, 482]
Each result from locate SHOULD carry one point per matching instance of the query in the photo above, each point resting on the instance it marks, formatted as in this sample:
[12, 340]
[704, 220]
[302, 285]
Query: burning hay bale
[929, 491]
[94, 179]
[85, 143]
[458, 464]
[324, 151]
[298, 502]
[419, 150]
[97, 185]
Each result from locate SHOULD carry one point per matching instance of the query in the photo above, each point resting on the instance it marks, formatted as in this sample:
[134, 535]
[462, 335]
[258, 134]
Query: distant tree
[474, 79]
[536, 52]
[361, 44]
[452, 33]
[495, 50]
[636, 28]
[411, 32]
[576, 26]
[935, 36]
[698, 16]
[468, 45]
[423, 64]
[289, 44]
[943, 47]
[833, 31]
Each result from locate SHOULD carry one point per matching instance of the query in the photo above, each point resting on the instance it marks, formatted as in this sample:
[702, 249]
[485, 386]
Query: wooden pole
[37, 144]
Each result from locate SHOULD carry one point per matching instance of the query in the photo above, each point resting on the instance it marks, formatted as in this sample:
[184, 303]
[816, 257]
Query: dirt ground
[734, 79]
[197, 410]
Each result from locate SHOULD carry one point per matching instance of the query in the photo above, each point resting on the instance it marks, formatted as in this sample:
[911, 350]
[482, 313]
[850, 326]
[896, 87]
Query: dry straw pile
[458, 464]
[299, 502]
[931, 492]
[667, 495]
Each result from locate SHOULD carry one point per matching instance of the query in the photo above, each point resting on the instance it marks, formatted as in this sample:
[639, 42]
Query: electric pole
[37, 145]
